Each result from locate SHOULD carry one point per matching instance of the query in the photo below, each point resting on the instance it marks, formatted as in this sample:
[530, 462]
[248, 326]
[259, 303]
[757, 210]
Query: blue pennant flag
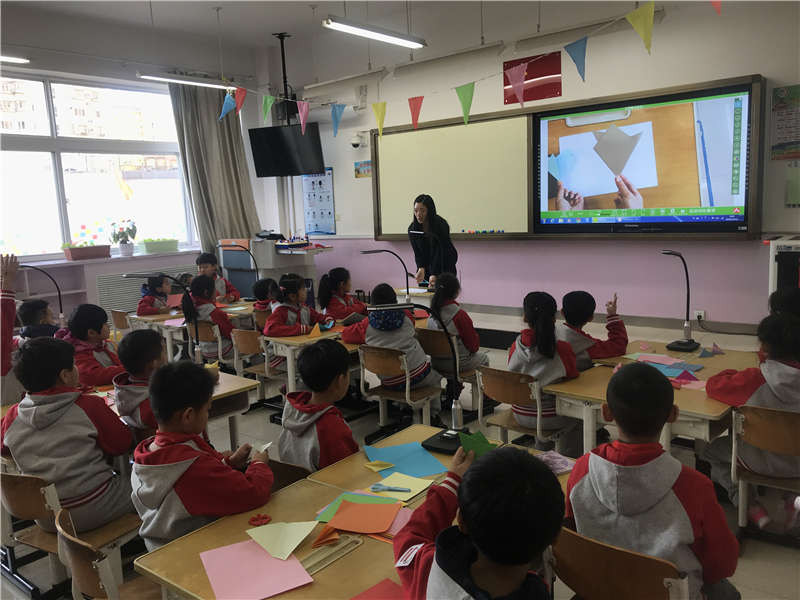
[577, 52]
[336, 115]
[227, 106]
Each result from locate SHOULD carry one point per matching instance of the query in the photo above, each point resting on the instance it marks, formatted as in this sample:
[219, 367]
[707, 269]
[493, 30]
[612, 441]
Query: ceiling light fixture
[185, 80]
[14, 59]
[374, 33]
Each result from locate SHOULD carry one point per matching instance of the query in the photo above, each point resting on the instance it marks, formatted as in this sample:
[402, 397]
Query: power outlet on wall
[700, 314]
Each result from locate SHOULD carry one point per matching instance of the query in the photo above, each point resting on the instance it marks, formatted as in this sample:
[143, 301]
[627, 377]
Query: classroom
[400, 299]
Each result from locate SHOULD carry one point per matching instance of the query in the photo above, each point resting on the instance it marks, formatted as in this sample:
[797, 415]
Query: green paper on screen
[476, 442]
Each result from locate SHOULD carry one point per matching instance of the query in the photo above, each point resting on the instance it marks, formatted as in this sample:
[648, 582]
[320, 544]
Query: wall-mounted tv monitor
[285, 150]
[685, 162]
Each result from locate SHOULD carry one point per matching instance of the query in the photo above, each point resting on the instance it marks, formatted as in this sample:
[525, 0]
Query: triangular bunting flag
[577, 52]
[336, 115]
[266, 106]
[705, 353]
[241, 94]
[641, 20]
[465, 93]
[414, 105]
[379, 108]
[227, 106]
[717, 4]
[302, 111]
[516, 78]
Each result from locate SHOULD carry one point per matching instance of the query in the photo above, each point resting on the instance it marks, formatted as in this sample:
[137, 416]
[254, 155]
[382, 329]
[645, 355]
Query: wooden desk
[291, 346]
[423, 298]
[231, 398]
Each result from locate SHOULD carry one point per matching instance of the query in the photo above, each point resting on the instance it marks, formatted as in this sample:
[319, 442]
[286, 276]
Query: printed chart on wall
[683, 160]
[318, 208]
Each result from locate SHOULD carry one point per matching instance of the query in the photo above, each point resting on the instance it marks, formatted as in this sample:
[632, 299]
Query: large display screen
[676, 163]
[286, 150]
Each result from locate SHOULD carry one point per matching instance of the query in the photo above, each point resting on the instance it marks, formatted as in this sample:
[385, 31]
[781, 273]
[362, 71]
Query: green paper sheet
[476, 442]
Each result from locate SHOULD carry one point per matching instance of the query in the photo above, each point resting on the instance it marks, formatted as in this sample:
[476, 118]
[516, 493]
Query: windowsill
[61, 261]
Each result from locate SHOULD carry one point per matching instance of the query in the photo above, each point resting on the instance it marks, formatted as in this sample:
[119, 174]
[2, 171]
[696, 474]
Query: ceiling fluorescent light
[185, 80]
[14, 59]
[374, 33]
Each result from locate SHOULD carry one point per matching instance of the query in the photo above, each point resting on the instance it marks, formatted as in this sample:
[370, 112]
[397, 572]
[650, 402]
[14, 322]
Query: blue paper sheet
[686, 366]
[409, 459]
[705, 353]
[667, 371]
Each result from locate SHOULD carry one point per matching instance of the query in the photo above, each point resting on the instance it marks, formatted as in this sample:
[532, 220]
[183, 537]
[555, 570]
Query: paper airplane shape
[716, 349]
[686, 376]
[315, 332]
[615, 147]
[705, 353]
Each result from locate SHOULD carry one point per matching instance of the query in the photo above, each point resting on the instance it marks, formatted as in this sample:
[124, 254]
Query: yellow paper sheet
[280, 539]
[378, 465]
[415, 484]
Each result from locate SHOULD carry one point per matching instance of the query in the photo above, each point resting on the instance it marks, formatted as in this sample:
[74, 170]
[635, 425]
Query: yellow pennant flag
[641, 20]
[379, 108]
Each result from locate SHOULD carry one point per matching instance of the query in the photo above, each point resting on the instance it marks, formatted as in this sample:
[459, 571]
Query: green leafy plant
[160, 240]
[77, 245]
[123, 232]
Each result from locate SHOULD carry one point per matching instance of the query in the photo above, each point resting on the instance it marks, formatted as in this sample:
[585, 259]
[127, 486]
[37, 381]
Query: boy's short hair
[512, 505]
[138, 348]
[640, 398]
[177, 386]
[383, 293]
[578, 308]
[32, 312]
[319, 364]
[40, 362]
[264, 289]
[86, 317]
[206, 258]
[785, 300]
[781, 333]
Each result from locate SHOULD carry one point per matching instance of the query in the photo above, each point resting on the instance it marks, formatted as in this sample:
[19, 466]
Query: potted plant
[160, 245]
[85, 250]
[123, 233]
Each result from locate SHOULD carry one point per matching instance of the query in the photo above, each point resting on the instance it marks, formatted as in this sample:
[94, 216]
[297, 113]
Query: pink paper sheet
[399, 521]
[693, 385]
[246, 571]
[174, 322]
[658, 359]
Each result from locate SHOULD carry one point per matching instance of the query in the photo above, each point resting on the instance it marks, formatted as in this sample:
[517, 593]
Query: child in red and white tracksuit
[335, 298]
[10, 388]
[578, 309]
[154, 296]
[224, 291]
[201, 306]
[88, 332]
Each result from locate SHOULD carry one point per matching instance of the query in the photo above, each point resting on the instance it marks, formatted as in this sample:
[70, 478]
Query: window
[110, 154]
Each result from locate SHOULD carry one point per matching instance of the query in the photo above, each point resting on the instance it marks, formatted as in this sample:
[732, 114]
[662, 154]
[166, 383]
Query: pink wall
[729, 279]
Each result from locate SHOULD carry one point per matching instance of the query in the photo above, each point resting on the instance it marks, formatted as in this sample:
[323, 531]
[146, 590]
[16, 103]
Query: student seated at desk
[785, 300]
[292, 316]
[179, 481]
[154, 296]
[632, 494]
[223, 289]
[88, 331]
[141, 352]
[65, 436]
[265, 291]
[775, 383]
[10, 388]
[335, 298]
[37, 320]
[578, 310]
[314, 433]
[201, 306]
[508, 507]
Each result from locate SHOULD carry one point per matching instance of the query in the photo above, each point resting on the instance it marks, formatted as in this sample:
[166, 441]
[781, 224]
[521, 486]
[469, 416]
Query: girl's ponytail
[329, 284]
[447, 288]
[202, 286]
[540, 313]
[290, 283]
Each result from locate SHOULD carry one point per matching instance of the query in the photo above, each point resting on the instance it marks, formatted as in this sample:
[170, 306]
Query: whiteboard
[477, 174]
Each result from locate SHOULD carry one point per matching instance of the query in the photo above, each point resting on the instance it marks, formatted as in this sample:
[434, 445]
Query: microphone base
[683, 345]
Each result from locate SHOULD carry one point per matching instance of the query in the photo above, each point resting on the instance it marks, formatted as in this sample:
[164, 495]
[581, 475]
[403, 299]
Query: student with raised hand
[334, 295]
[154, 296]
[200, 305]
[87, 330]
[292, 316]
[578, 309]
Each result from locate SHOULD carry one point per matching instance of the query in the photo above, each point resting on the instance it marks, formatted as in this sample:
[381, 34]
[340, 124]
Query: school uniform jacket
[64, 436]
[208, 311]
[150, 303]
[11, 390]
[265, 305]
[313, 436]
[524, 357]
[132, 397]
[181, 483]
[587, 348]
[437, 556]
[289, 319]
[773, 384]
[97, 363]
[458, 323]
[223, 287]
[639, 497]
[342, 307]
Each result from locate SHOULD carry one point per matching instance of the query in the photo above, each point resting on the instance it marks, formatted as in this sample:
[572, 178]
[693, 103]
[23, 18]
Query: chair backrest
[286, 473]
[434, 342]
[507, 387]
[120, 319]
[28, 497]
[385, 362]
[81, 558]
[591, 569]
[206, 331]
[246, 341]
[769, 429]
[260, 317]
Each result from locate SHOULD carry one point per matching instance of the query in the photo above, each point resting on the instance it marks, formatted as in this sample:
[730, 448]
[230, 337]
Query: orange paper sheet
[364, 518]
[328, 535]
[315, 332]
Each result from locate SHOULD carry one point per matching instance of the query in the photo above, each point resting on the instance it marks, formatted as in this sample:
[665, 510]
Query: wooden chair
[434, 343]
[246, 344]
[388, 362]
[286, 474]
[119, 325]
[93, 571]
[208, 332]
[521, 389]
[591, 569]
[767, 429]
[260, 317]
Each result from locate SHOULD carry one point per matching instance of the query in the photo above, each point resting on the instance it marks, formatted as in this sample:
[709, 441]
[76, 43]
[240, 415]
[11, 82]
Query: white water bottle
[457, 414]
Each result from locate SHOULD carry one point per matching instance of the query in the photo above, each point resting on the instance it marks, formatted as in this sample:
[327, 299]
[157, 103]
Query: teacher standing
[429, 235]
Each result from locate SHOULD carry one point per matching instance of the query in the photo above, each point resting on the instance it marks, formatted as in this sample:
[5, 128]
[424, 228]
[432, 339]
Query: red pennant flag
[302, 111]
[415, 104]
[516, 78]
[240, 95]
[717, 4]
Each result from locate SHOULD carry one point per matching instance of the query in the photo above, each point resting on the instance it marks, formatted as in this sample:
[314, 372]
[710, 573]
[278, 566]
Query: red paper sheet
[385, 590]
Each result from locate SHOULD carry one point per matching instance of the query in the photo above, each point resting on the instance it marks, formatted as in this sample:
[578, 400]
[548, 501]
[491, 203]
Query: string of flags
[640, 19]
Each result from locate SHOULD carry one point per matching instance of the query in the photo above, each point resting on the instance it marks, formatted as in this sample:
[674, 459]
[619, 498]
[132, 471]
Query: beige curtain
[214, 165]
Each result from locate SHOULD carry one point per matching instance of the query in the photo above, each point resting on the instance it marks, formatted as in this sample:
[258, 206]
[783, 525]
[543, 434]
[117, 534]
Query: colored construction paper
[645, 347]
[716, 349]
[516, 78]
[411, 459]
[615, 147]
[687, 366]
[227, 105]
[336, 115]
[174, 300]
[280, 539]
[686, 376]
[705, 353]
[556, 462]
[379, 109]
[221, 305]
[465, 93]
[476, 442]
[315, 331]
[666, 371]
[378, 465]
[632, 356]
[415, 484]
[577, 52]
[676, 384]
[364, 518]
[246, 571]
[329, 511]
[661, 359]
[717, 4]
[641, 19]
[693, 385]
[385, 590]
[328, 535]
[302, 112]
[239, 97]
[400, 521]
[179, 322]
[266, 106]
[618, 367]
[415, 105]
[560, 166]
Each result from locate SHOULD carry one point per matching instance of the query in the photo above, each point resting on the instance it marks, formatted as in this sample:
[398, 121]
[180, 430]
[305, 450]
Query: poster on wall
[318, 208]
[363, 168]
[786, 123]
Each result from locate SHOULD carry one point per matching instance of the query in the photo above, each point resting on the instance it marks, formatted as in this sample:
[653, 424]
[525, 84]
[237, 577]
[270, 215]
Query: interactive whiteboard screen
[477, 174]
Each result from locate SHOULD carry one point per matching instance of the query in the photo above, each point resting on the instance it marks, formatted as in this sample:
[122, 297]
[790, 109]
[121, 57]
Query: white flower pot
[126, 249]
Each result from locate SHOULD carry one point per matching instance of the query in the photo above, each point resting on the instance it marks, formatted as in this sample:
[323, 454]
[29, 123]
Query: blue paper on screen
[409, 459]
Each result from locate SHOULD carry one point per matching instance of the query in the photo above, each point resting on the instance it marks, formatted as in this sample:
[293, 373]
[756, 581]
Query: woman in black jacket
[429, 235]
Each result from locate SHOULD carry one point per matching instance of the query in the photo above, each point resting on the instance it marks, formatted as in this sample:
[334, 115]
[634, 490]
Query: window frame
[55, 145]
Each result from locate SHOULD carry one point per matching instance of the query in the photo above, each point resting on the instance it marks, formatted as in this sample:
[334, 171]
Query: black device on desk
[445, 442]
